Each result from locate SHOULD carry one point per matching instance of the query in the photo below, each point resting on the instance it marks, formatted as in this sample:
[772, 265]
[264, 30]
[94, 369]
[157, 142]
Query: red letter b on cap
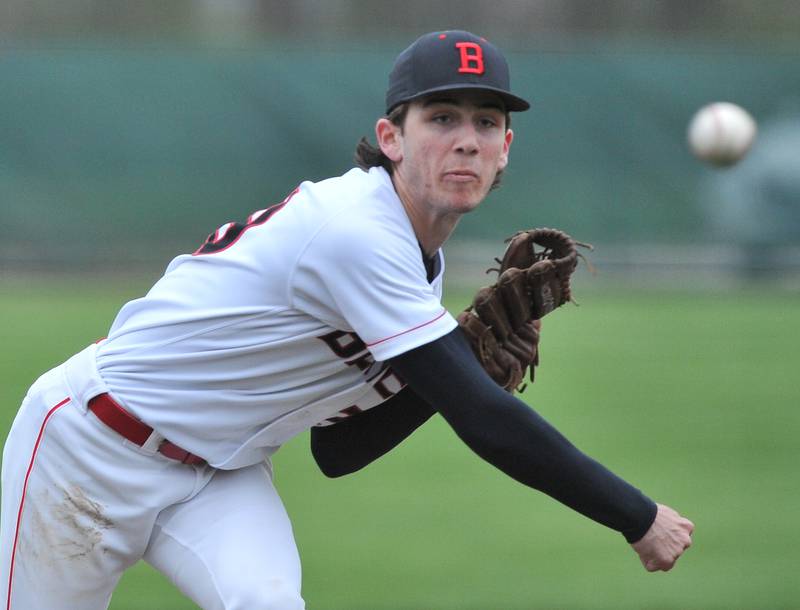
[471, 57]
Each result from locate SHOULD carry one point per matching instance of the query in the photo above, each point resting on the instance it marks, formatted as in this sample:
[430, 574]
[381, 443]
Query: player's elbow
[331, 461]
[333, 469]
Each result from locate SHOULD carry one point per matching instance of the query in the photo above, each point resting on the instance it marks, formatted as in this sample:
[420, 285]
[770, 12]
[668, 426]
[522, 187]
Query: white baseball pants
[80, 504]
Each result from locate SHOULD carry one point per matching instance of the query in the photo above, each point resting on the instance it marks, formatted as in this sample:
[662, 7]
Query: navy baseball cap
[449, 60]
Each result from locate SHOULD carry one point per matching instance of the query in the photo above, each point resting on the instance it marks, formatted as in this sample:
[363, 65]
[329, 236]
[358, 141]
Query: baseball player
[323, 312]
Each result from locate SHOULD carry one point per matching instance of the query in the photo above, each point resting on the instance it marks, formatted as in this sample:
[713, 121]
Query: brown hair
[368, 155]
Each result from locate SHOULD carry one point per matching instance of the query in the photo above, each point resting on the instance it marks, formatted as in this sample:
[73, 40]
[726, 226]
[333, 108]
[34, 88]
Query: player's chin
[467, 199]
[465, 205]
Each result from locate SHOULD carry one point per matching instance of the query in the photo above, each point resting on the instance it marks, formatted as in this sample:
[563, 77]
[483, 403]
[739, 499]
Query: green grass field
[693, 397]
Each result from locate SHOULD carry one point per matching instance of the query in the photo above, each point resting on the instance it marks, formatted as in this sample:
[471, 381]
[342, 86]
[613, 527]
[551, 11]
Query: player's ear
[506, 146]
[389, 137]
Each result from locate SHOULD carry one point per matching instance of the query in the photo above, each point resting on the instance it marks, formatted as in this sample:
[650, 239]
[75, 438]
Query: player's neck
[432, 236]
[431, 227]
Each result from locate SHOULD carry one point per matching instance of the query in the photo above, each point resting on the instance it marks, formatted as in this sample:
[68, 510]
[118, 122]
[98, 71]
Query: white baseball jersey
[278, 324]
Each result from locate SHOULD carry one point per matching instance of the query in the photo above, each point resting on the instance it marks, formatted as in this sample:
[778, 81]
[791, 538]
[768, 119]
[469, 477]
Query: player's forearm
[511, 436]
[534, 453]
[351, 444]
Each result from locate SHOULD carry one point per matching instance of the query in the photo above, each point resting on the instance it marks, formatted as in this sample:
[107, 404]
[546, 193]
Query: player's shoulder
[360, 204]
[353, 189]
[363, 214]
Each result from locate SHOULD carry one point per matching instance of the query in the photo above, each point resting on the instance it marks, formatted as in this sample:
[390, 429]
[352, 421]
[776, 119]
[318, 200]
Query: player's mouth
[460, 175]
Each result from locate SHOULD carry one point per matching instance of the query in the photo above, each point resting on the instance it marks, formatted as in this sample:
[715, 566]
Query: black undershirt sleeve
[513, 437]
[494, 424]
[351, 444]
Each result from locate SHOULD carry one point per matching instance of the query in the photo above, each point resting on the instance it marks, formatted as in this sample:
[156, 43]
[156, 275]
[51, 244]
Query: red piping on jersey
[444, 311]
[24, 490]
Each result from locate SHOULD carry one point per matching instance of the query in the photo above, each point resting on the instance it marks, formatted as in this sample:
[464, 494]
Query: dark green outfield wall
[107, 153]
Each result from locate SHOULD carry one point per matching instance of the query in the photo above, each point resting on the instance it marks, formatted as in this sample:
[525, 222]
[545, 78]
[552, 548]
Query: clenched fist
[665, 541]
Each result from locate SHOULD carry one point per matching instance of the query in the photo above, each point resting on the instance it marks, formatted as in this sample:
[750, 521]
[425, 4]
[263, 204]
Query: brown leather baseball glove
[501, 322]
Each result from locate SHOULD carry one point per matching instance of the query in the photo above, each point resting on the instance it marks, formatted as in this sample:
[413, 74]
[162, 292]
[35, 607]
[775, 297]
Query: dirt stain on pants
[69, 527]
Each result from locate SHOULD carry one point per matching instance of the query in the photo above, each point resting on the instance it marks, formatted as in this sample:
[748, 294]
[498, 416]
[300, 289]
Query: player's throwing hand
[665, 541]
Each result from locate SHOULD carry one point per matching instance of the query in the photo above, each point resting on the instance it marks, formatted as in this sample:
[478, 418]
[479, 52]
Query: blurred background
[129, 130]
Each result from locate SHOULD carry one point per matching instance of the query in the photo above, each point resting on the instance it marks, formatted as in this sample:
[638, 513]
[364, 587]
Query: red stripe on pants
[24, 489]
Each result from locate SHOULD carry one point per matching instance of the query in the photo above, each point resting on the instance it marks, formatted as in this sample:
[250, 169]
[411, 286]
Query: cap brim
[512, 102]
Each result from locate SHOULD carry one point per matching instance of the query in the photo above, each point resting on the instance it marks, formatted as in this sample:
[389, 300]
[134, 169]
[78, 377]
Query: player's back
[220, 336]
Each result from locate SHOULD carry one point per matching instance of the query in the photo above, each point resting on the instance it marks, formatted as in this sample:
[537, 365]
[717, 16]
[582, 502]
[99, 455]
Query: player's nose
[467, 139]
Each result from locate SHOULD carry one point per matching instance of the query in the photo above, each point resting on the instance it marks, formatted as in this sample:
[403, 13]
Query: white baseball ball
[721, 133]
